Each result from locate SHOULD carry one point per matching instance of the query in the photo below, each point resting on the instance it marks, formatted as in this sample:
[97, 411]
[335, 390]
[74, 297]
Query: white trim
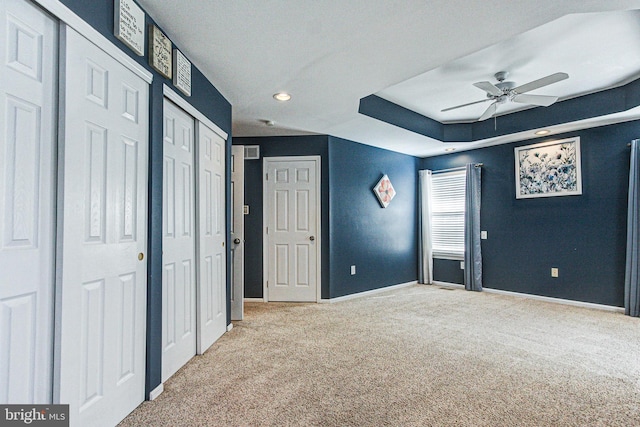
[156, 392]
[265, 245]
[229, 327]
[556, 300]
[173, 96]
[253, 299]
[68, 17]
[448, 284]
[368, 293]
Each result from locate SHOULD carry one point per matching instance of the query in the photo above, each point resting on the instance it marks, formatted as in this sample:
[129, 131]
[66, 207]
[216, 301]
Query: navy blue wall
[381, 243]
[356, 230]
[584, 236]
[206, 98]
[271, 147]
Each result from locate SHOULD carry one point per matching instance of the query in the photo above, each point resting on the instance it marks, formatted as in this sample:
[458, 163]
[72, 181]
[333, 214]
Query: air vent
[251, 152]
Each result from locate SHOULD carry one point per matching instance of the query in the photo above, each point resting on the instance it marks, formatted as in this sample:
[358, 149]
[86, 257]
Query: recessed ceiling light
[269, 123]
[450, 149]
[281, 96]
[543, 132]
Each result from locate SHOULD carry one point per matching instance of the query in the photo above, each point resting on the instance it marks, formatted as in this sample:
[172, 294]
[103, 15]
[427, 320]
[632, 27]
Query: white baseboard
[538, 297]
[556, 300]
[368, 293]
[156, 392]
[253, 299]
[229, 327]
[448, 285]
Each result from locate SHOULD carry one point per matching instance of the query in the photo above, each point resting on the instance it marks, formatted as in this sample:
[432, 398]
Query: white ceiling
[330, 53]
[597, 50]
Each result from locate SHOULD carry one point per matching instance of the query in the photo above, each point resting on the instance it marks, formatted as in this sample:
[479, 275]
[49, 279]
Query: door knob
[312, 238]
[236, 241]
[140, 256]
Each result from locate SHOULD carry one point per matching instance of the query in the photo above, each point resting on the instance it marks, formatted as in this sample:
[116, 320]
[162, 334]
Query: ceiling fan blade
[465, 105]
[545, 81]
[489, 112]
[489, 88]
[541, 100]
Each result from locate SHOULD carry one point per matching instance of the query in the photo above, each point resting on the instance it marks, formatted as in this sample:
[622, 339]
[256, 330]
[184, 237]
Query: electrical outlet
[554, 272]
[461, 265]
[483, 235]
[353, 270]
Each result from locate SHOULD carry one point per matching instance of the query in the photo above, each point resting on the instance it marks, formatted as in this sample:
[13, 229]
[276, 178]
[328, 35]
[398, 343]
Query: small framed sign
[128, 24]
[181, 72]
[160, 51]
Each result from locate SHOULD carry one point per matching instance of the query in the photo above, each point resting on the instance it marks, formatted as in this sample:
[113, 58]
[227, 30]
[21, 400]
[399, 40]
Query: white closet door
[28, 52]
[178, 243]
[212, 285]
[103, 226]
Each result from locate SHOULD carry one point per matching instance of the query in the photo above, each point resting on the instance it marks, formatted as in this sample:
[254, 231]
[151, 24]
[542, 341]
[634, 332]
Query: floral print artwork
[548, 169]
[384, 191]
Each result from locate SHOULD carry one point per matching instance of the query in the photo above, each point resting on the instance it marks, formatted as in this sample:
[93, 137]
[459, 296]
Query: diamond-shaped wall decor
[384, 191]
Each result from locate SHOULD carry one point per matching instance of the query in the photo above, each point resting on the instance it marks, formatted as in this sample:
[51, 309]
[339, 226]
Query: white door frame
[265, 221]
[237, 232]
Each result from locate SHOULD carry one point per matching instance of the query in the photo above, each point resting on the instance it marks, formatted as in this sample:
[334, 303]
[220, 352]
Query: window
[447, 213]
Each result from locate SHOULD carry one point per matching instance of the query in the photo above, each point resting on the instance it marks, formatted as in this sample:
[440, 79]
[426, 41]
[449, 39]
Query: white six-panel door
[291, 216]
[28, 52]
[211, 236]
[237, 232]
[103, 229]
[178, 242]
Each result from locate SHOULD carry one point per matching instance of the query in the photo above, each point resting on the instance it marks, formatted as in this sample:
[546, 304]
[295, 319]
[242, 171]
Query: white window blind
[447, 210]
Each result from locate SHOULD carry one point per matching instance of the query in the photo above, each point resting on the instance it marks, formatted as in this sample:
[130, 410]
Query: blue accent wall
[356, 230]
[584, 236]
[206, 99]
[381, 242]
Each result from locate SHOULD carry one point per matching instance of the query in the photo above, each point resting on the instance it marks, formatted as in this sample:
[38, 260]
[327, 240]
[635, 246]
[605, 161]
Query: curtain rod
[477, 165]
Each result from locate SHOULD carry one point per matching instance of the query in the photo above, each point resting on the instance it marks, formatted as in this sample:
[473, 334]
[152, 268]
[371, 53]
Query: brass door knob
[140, 256]
[236, 241]
[312, 238]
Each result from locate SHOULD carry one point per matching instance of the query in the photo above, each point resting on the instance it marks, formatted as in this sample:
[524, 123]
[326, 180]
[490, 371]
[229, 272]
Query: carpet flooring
[416, 356]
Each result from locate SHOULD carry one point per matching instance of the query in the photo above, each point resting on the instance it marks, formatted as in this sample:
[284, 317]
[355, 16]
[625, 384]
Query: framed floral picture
[548, 169]
[384, 191]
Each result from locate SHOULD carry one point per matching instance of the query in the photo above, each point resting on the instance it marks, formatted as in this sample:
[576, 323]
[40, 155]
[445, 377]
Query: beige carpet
[419, 356]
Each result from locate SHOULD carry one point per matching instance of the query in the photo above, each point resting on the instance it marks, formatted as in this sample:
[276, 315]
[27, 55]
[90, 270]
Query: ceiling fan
[504, 91]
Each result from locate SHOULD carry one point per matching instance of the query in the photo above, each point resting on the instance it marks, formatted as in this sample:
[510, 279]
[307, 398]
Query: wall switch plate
[245, 209]
[483, 235]
[353, 270]
[554, 272]
[461, 265]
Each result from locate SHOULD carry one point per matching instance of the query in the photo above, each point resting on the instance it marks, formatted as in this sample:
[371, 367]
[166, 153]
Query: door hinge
[267, 230]
[266, 177]
[267, 283]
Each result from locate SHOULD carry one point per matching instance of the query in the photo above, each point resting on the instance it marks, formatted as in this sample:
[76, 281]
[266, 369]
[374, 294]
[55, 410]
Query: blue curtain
[632, 274]
[426, 241]
[472, 252]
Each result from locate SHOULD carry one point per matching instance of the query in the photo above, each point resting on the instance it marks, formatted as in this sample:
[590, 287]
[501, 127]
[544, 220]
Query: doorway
[292, 243]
